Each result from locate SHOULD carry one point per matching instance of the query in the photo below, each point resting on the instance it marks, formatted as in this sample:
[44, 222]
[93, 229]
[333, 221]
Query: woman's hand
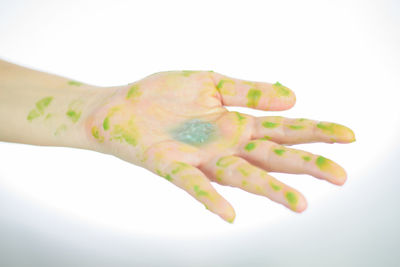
[175, 124]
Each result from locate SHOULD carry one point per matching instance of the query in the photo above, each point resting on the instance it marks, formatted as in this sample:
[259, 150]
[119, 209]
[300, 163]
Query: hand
[175, 124]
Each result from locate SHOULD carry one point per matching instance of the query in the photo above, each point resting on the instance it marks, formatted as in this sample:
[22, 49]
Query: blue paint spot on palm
[194, 132]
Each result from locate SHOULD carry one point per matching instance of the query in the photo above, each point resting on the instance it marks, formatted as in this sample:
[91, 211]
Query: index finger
[257, 95]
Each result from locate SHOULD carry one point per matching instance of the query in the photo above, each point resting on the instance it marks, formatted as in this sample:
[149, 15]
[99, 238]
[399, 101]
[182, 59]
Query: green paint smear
[243, 172]
[127, 135]
[187, 73]
[96, 134]
[221, 83]
[306, 158]
[199, 192]
[74, 83]
[168, 177]
[60, 129]
[296, 127]
[42, 104]
[226, 161]
[275, 187]
[291, 198]
[73, 115]
[253, 97]
[270, 125]
[250, 146]
[266, 138]
[321, 162]
[33, 114]
[281, 90]
[252, 84]
[219, 174]
[279, 152]
[181, 166]
[240, 117]
[244, 183]
[327, 127]
[106, 123]
[48, 116]
[133, 92]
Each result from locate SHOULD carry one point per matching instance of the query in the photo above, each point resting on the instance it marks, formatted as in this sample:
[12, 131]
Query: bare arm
[43, 109]
[175, 124]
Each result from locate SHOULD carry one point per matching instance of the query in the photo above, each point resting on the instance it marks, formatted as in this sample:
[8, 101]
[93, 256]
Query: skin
[152, 123]
[73, 115]
[280, 89]
[60, 129]
[271, 125]
[75, 83]
[250, 146]
[40, 108]
[253, 97]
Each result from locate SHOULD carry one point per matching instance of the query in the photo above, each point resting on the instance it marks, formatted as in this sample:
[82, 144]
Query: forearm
[43, 109]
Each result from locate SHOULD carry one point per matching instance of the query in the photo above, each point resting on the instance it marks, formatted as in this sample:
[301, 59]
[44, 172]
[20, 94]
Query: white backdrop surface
[70, 207]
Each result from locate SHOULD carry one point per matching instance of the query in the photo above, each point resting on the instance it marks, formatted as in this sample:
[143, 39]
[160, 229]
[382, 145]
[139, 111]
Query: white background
[70, 207]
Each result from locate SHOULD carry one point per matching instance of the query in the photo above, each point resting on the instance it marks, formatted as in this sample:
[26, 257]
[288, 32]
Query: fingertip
[283, 98]
[340, 176]
[345, 134]
[328, 170]
[301, 205]
[294, 99]
[295, 201]
[231, 219]
[227, 214]
[337, 132]
[222, 208]
[352, 136]
[341, 182]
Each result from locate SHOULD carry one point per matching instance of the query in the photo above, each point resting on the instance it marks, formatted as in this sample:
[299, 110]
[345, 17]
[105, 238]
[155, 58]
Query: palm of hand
[175, 124]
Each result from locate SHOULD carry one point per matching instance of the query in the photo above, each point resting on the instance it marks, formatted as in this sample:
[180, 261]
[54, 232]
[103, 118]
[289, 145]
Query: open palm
[175, 124]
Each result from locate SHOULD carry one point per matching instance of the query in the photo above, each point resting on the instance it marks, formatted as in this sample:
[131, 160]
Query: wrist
[74, 113]
[82, 134]
[44, 109]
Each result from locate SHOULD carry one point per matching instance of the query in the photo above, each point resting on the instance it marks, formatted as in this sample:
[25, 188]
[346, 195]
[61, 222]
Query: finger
[175, 162]
[277, 158]
[295, 131]
[257, 95]
[193, 181]
[236, 171]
